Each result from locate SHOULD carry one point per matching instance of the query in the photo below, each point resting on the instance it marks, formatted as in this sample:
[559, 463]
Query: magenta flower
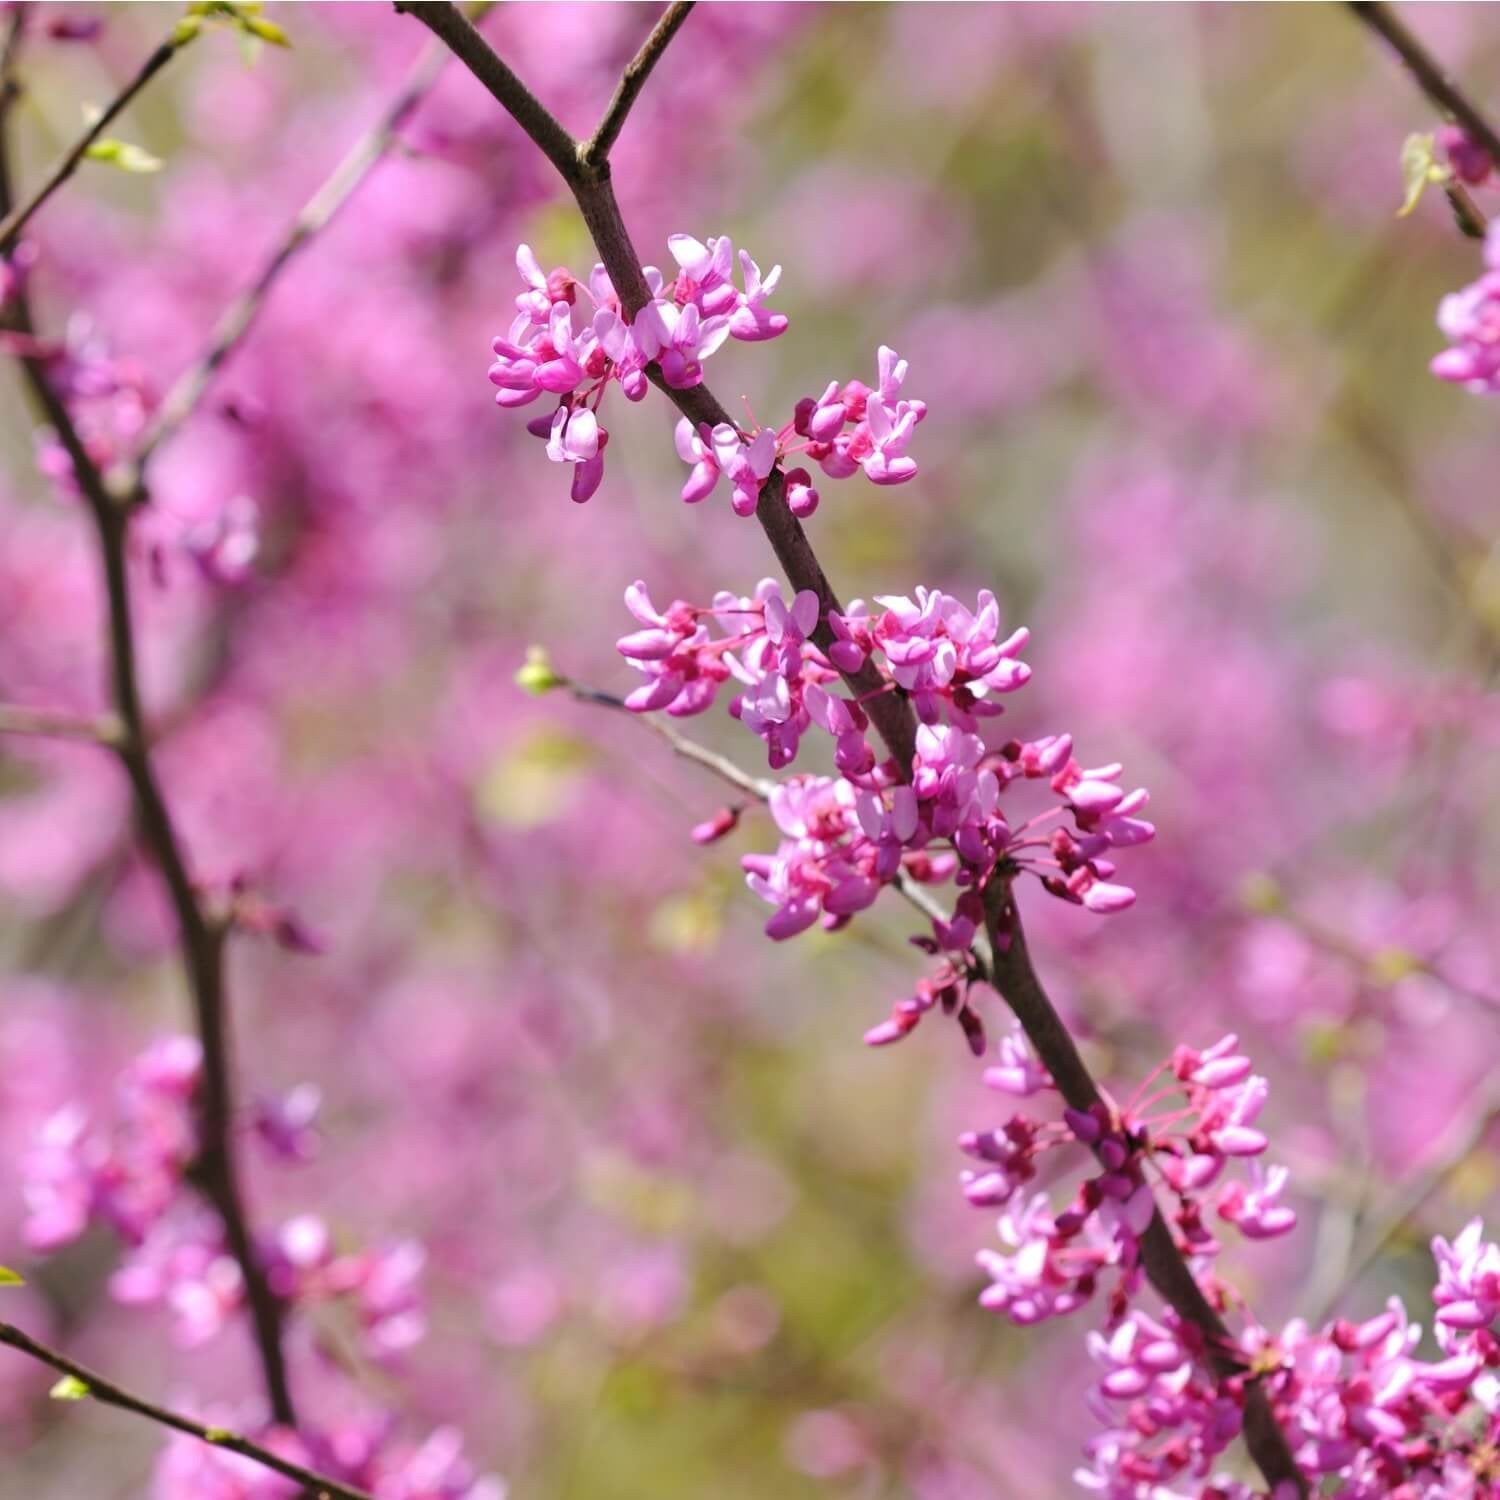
[576, 437]
[879, 423]
[820, 869]
[1255, 1210]
[695, 450]
[746, 465]
[1470, 319]
[1470, 161]
[1468, 1290]
[682, 666]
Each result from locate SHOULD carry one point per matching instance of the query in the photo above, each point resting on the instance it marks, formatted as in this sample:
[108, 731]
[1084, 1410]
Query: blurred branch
[1370, 431]
[1424, 68]
[1463, 1137]
[1400, 962]
[53, 724]
[17, 218]
[595, 151]
[892, 716]
[200, 936]
[108, 1393]
[183, 398]
[448, 24]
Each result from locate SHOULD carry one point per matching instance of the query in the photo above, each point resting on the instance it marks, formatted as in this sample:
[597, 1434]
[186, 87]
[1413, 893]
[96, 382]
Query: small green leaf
[10, 1278]
[122, 154]
[1419, 168]
[217, 1435]
[536, 676]
[69, 1388]
[266, 31]
[186, 30]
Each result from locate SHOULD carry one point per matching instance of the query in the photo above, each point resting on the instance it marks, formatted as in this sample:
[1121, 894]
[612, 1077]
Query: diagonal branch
[1428, 73]
[315, 1486]
[184, 396]
[200, 934]
[595, 151]
[17, 219]
[893, 718]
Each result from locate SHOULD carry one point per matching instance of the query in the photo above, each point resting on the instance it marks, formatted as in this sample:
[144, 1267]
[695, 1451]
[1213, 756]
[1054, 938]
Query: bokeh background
[684, 1235]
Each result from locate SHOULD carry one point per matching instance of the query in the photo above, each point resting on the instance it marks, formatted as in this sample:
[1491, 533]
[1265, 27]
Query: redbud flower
[226, 547]
[723, 822]
[695, 450]
[682, 667]
[1190, 1148]
[1468, 1290]
[1470, 318]
[1255, 1211]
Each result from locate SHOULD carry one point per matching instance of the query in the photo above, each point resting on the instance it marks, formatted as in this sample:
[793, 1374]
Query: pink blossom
[1470, 319]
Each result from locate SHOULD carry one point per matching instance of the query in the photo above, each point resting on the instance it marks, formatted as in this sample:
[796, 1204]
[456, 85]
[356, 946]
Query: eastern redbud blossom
[226, 547]
[1056, 1260]
[948, 822]
[287, 1123]
[849, 428]
[1468, 1290]
[1367, 1419]
[1470, 319]
[852, 426]
[556, 346]
[125, 1171]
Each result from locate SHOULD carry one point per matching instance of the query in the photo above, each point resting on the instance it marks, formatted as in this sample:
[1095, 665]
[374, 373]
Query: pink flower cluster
[1470, 319]
[1183, 1133]
[126, 1172]
[846, 837]
[1367, 1419]
[132, 1174]
[555, 348]
[361, 1452]
[109, 398]
[848, 428]
[550, 351]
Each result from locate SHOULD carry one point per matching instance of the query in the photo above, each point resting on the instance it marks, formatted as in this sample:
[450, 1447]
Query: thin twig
[1455, 1146]
[200, 937]
[51, 723]
[318, 1486]
[595, 151]
[1431, 79]
[893, 717]
[183, 398]
[758, 787]
[725, 769]
[17, 219]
